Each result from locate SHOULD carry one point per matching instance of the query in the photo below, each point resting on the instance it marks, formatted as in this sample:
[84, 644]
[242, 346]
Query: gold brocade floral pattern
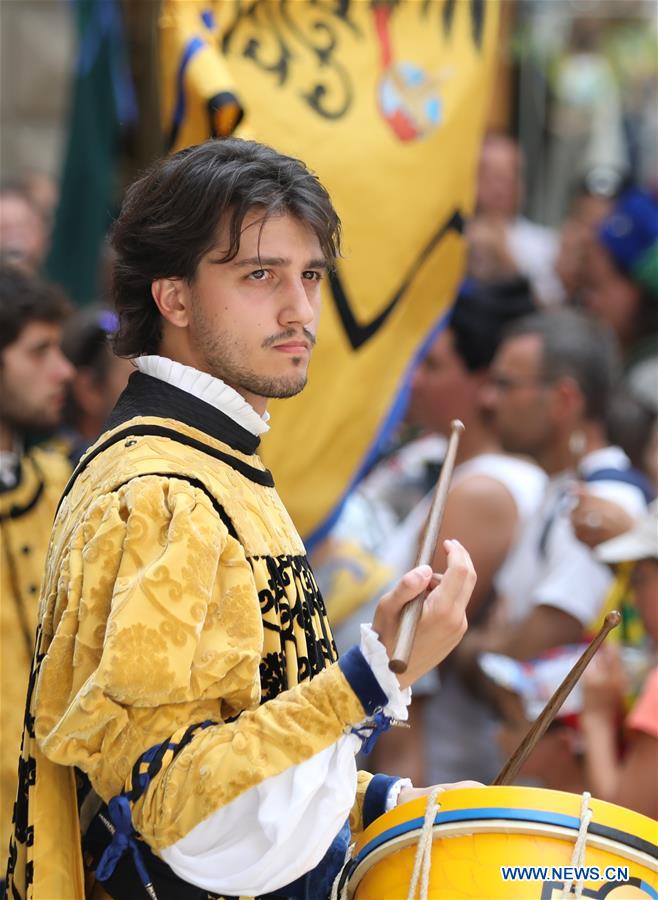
[158, 613]
[141, 655]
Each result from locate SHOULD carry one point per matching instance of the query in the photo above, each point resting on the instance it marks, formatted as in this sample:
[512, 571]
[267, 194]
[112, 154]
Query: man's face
[519, 398]
[33, 377]
[253, 320]
[442, 388]
[499, 179]
[23, 233]
[608, 295]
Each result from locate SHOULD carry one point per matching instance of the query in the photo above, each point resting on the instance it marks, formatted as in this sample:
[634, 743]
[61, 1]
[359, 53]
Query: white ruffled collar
[207, 388]
[9, 464]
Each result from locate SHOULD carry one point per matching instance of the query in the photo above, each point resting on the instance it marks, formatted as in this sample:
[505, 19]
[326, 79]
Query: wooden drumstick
[411, 613]
[511, 768]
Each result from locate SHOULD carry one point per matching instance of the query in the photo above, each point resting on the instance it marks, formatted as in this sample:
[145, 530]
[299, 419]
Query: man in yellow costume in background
[189, 725]
[33, 378]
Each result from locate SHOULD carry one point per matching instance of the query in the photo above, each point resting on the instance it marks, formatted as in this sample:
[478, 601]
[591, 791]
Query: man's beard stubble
[219, 355]
[18, 415]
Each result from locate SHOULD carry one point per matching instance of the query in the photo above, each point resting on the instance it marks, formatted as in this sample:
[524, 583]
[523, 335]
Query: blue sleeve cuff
[374, 802]
[362, 681]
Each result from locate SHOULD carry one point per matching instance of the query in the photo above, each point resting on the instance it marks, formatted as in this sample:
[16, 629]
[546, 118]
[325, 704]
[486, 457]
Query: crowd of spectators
[550, 357]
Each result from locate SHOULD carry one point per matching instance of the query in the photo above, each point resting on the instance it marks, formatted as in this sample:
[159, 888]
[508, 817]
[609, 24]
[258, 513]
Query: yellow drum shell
[478, 830]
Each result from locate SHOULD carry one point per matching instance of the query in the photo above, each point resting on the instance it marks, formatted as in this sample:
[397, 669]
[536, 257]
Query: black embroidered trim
[320, 651]
[27, 776]
[16, 511]
[19, 600]
[259, 476]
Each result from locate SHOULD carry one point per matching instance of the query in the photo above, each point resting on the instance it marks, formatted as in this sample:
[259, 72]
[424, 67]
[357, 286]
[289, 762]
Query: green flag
[102, 104]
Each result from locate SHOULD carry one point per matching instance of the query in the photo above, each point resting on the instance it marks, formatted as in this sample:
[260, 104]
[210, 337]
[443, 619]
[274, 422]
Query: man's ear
[480, 387]
[172, 298]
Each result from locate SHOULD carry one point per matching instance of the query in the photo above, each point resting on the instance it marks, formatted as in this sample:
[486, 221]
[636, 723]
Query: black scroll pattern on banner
[274, 39]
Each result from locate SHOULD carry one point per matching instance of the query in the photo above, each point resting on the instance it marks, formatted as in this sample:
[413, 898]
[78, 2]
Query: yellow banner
[386, 101]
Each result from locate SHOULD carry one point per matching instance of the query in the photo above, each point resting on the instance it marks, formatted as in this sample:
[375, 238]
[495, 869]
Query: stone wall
[36, 61]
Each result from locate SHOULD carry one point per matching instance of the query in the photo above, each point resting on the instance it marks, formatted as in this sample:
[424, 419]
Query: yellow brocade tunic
[176, 591]
[26, 517]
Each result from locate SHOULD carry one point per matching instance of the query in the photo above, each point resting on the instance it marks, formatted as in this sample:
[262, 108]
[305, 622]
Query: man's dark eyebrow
[261, 261]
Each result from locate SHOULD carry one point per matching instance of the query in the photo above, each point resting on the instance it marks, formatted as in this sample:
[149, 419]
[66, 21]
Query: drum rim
[560, 820]
[401, 837]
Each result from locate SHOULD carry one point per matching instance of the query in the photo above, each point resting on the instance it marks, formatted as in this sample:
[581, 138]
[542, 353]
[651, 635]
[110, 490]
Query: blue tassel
[370, 732]
[122, 840]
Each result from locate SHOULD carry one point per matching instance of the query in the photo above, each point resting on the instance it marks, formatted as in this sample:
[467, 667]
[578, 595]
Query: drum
[508, 842]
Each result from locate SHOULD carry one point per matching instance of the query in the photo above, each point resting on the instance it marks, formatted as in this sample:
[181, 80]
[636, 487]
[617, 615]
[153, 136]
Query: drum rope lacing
[423, 861]
[578, 856]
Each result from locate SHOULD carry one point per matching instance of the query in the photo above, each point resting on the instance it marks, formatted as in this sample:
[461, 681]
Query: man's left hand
[412, 793]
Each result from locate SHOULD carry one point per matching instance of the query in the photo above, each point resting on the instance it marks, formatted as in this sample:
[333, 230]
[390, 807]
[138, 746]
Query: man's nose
[297, 307]
[63, 369]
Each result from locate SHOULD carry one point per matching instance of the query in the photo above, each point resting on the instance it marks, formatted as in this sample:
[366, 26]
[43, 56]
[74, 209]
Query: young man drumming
[189, 725]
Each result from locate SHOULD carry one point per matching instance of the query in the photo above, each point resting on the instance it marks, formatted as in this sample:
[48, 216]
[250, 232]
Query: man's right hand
[443, 618]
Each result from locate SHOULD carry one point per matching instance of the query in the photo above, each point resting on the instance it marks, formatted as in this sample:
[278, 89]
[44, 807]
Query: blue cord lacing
[118, 809]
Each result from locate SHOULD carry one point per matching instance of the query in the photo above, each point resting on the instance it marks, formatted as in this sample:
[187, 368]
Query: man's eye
[312, 276]
[258, 275]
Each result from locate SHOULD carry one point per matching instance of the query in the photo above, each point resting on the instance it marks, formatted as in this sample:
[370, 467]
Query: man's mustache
[288, 335]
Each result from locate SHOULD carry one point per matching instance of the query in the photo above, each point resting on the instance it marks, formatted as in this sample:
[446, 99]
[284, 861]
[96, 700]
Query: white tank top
[525, 481]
